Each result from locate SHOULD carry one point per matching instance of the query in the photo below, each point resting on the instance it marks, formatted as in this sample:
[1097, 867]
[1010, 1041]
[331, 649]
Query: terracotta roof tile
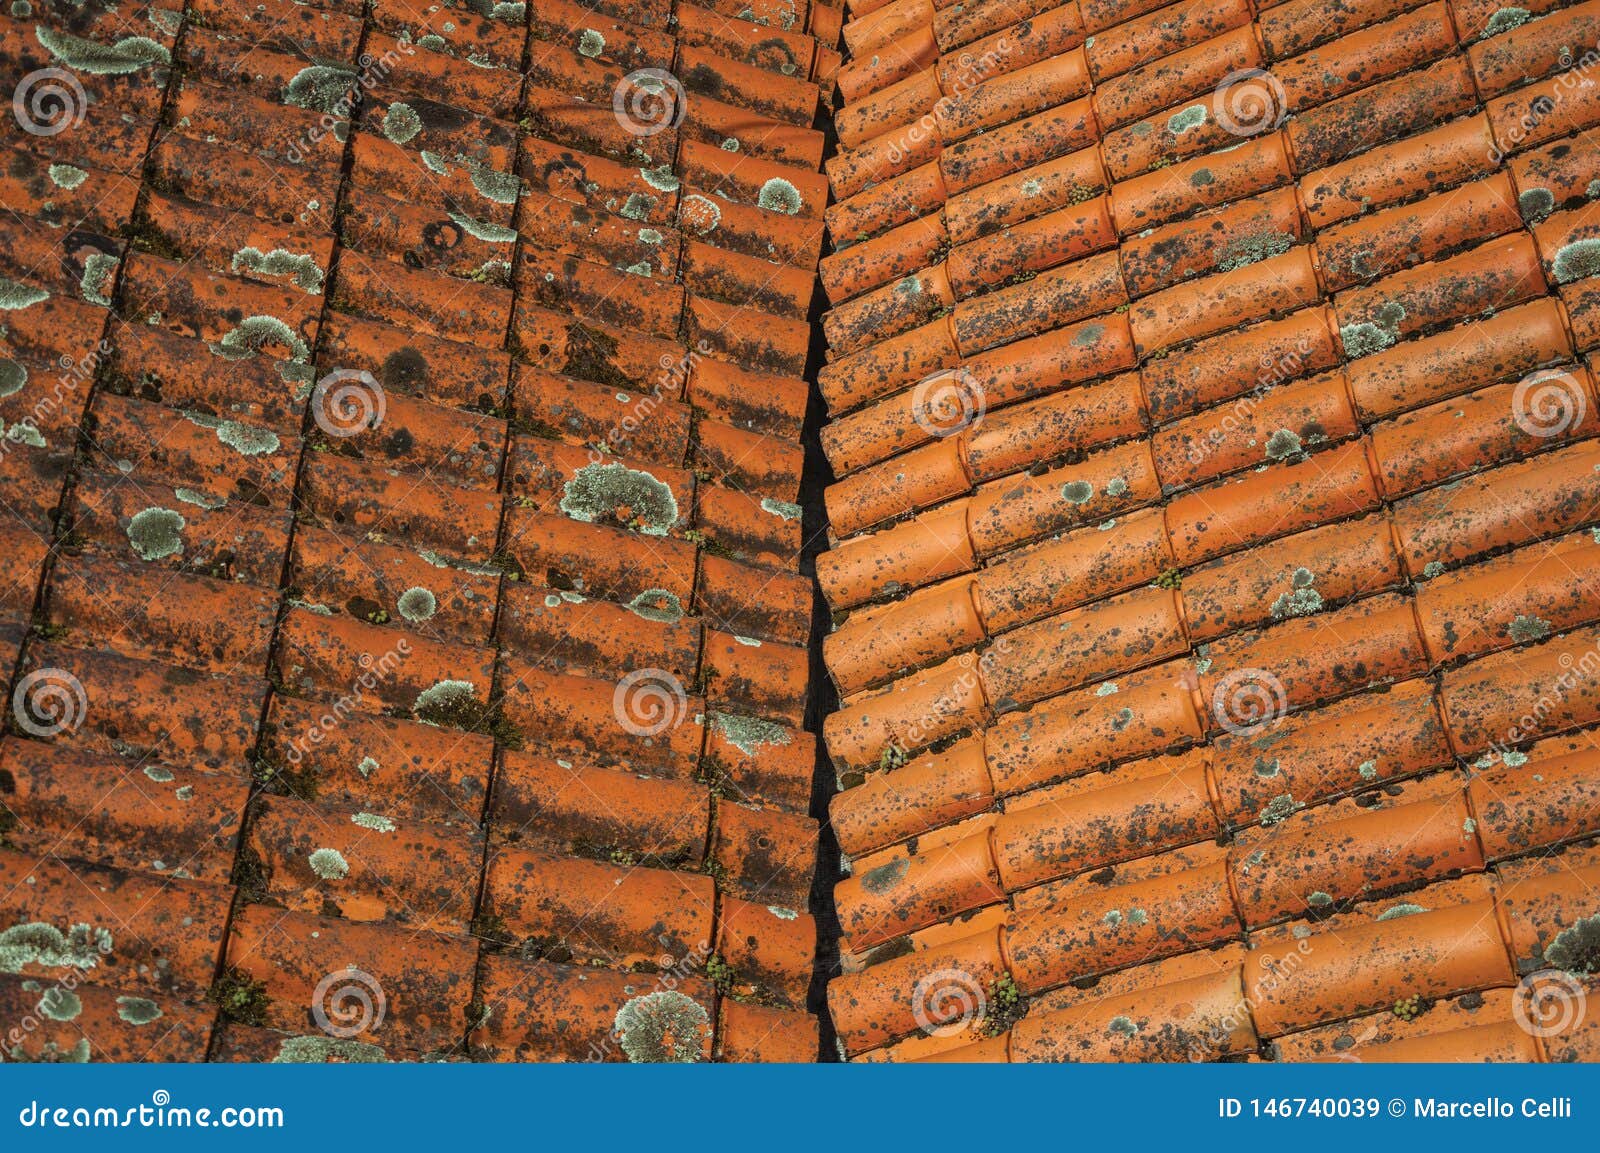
[403, 456]
[1201, 577]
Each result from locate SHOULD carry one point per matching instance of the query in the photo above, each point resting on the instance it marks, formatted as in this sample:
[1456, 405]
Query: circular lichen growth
[60, 1004]
[615, 492]
[657, 605]
[138, 1010]
[155, 533]
[1577, 947]
[1282, 444]
[401, 123]
[247, 439]
[321, 88]
[417, 604]
[13, 377]
[1123, 1026]
[699, 213]
[1577, 260]
[591, 43]
[67, 176]
[665, 1026]
[1186, 119]
[1077, 492]
[1524, 628]
[778, 195]
[374, 821]
[1535, 204]
[329, 864]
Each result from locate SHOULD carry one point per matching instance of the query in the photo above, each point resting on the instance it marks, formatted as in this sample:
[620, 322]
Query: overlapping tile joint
[1215, 574]
[406, 646]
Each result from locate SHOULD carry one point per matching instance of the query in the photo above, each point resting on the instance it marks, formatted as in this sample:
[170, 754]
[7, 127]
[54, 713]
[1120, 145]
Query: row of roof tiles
[401, 466]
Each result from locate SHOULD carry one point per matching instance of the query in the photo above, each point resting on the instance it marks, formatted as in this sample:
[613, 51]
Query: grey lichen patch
[329, 864]
[778, 195]
[1123, 1026]
[1302, 600]
[200, 499]
[1524, 628]
[127, 55]
[444, 699]
[1105, 689]
[60, 1004]
[1113, 918]
[300, 267]
[328, 1050]
[1535, 204]
[612, 491]
[184, 792]
[14, 296]
[95, 283]
[1279, 808]
[1592, 189]
[1267, 767]
[1513, 758]
[1077, 492]
[247, 439]
[1432, 569]
[1282, 445]
[1577, 260]
[1367, 337]
[1505, 19]
[1319, 900]
[1116, 486]
[1088, 335]
[657, 605]
[67, 176]
[374, 821]
[367, 767]
[321, 88]
[247, 338]
[637, 207]
[591, 43]
[24, 432]
[155, 533]
[1577, 947]
[138, 1010]
[661, 178]
[500, 187]
[664, 1026]
[780, 508]
[417, 604]
[484, 230]
[1368, 770]
[160, 774]
[1404, 909]
[38, 943]
[401, 123]
[698, 213]
[749, 733]
[13, 378]
[1186, 119]
[1252, 248]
